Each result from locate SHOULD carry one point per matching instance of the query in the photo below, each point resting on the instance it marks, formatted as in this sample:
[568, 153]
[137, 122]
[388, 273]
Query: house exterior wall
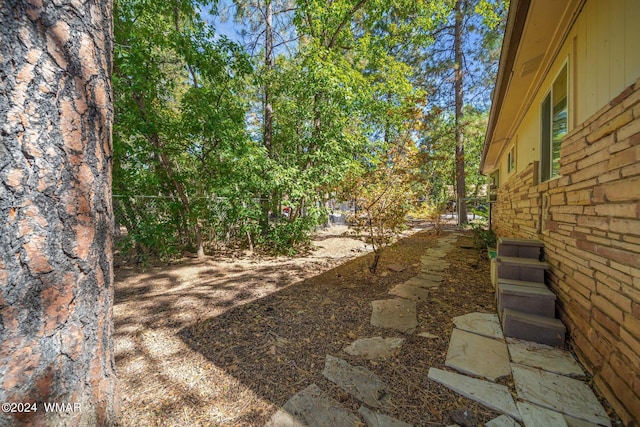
[589, 220]
[607, 52]
[589, 216]
[602, 51]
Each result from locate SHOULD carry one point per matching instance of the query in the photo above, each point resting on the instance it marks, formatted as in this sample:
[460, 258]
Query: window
[494, 184]
[511, 160]
[494, 179]
[554, 114]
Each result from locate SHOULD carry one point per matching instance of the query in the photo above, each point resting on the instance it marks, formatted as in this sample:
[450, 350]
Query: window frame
[511, 159]
[546, 168]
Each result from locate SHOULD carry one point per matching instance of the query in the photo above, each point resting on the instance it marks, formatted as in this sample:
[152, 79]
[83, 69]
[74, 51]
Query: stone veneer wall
[589, 220]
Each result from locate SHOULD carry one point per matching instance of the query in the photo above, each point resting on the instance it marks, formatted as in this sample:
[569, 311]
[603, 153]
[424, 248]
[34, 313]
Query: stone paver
[397, 268]
[485, 324]
[477, 355]
[412, 292]
[491, 395]
[397, 313]
[574, 422]
[436, 258]
[377, 419]
[502, 421]
[435, 253]
[430, 269]
[312, 408]
[374, 348]
[358, 381]
[535, 416]
[425, 281]
[477, 347]
[431, 264]
[542, 356]
[559, 393]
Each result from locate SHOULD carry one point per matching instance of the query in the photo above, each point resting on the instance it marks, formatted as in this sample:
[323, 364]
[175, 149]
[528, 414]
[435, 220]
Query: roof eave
[518, 10]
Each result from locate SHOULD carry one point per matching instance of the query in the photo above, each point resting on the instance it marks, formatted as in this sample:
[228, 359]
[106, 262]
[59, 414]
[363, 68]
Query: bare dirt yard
[229, 340]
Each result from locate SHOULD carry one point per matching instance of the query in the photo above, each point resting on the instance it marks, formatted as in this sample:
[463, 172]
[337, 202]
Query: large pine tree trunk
[459, 100]
[56, 267]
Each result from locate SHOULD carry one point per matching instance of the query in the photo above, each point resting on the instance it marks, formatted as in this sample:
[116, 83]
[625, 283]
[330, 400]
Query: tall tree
[461, 192]
[56, 269]
[263, 22]
[268, 63]
[463, 57]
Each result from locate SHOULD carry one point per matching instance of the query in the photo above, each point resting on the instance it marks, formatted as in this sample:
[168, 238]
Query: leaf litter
[228, 341]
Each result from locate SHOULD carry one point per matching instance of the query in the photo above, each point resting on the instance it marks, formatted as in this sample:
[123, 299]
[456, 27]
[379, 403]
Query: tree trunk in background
[192, 219]
[56, 218]
[460, 175]
[268, 63]
[268, 201]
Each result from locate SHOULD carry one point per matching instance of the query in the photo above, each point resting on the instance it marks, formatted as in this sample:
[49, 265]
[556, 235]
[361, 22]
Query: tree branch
[344, 22]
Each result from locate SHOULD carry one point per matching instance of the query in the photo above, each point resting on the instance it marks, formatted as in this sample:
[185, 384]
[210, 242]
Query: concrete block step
[525, 269]
[522, 283]
[521, 248]
[537, 299]
[531, 327]
[517, 283]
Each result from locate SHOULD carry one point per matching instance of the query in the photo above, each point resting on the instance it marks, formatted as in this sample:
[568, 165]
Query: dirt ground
[229, 340]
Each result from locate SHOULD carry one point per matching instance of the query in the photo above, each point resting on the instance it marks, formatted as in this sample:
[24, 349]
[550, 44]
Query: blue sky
[226, 27]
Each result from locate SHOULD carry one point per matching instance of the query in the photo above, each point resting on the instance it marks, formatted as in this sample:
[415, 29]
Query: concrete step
[526, 269]
[531, 327]
[536, 299]
[517, 283]
[520, 248]
[522, 283]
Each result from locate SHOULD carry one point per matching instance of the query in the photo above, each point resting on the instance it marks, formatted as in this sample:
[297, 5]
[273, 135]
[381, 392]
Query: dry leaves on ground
[226, 342]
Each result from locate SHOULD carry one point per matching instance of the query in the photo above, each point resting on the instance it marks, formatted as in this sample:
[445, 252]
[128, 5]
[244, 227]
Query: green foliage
[432, 212]
[438, 149]
[384, 195]
[179, 132]
[482, 213]
[492, 13]
[484, 237]
[288, 237]
[153, 233]
[194, 165]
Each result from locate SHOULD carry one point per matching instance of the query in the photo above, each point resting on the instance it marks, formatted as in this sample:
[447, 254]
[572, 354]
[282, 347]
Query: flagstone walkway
[548, 382]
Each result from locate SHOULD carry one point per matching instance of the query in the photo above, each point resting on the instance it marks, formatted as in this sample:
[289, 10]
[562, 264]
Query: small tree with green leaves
[432, 212]
[383, 197]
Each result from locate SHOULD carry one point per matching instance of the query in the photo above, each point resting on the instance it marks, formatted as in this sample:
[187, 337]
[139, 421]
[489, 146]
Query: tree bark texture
[459, 100]
[56, 219]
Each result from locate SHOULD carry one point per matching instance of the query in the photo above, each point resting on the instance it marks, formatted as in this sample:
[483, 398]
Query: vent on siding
[531, 65]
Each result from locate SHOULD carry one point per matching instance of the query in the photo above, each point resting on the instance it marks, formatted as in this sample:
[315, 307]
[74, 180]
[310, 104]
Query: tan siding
[589, 71]
[581, 59]
[601, 26]
[632, 38]
[608, 52]
[529, 137]
[617, 82]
